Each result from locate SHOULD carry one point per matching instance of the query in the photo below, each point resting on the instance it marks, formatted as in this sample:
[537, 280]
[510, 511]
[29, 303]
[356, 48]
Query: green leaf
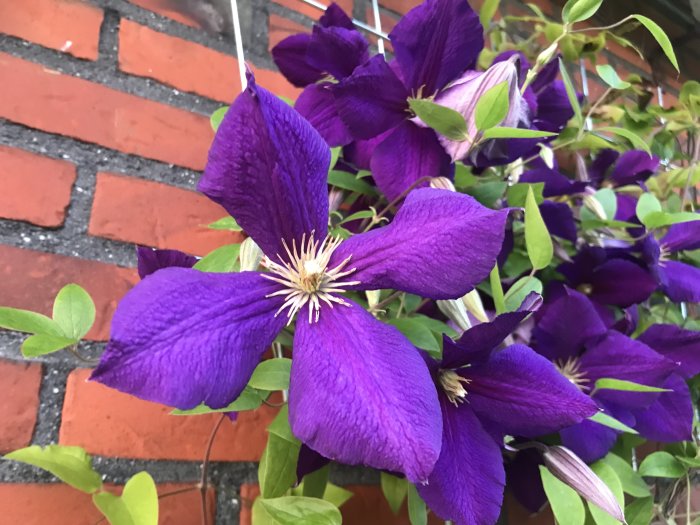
[26, 321]
[662, 465]
[514, 133]
[567, 506]
[272, 374]
[348, 181]
[647, 204]
[487, 11]
[637, 141]
[315, 483]
[216, 117]
[74, 311]
[608, 383]
[487, 192]
[610, 422]
[417, 511]
[492, 107]
[610, 77]
[222, 260]
[227, 223]
[571, 94]
[298, 510]
[417, 333]
[41, 344]
[660, 37]
[113, 507]
[520, 289]
[632, 482]
[363, 214]
[517, 193]
[72, 465]
[497, 290]
[336, 495]
[608, 202]
[445, 121]
[580, 10]
[394, 489]
[640, 512]
[608, 475]
[537, 240]
[659, 219]
[250, 399]
[277, 471]
[335, 153]
[138, 504]
[280, 425]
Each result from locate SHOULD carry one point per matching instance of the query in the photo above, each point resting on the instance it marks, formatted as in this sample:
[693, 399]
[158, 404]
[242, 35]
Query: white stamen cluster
[571, 369]
[306, 277]
[452, 384]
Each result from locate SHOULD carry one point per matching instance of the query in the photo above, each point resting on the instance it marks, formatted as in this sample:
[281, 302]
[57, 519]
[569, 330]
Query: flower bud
[250, 255]
[547, 156]
[456, 312]
[335, 199]
[373, 298]
[472, 301]
[594, 205]
[442, 183]
[568, 468]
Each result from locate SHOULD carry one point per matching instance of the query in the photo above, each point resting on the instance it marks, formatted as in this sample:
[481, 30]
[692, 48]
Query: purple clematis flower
[485, 394]
[360, 393]
[151, 260]
[630, 167]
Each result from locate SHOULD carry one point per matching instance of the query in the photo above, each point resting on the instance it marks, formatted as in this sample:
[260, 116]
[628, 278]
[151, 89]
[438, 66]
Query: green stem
[497, 290]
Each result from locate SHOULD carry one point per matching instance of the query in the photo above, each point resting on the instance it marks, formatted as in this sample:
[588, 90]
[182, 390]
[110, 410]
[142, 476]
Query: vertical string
[378, 26]
[239, 43]
[584, 88]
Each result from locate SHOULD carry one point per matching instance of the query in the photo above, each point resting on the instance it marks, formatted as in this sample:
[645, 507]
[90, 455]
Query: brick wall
[104, 128]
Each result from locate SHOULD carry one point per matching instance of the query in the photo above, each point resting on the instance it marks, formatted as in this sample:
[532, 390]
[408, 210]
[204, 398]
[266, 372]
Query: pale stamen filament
[571, 369]
[453, 386]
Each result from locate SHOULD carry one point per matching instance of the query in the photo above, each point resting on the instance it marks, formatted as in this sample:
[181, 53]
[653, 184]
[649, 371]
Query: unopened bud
[250, 255]
[546, 55]
[515, 170]
[568, 468]
[472, 301]
[442, 183]
[547, 156]
[373, 298]
[335, 199]
[594, 205]
[456, 312]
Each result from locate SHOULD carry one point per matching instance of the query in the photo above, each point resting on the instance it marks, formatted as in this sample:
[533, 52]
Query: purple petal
[670, 418]
[553, 108]
[546, 76]
[553, 334]
[559, 219]
[626, 208]
[467, 484]
[372, 100]
[523, 62]
[309, 461]
[361, 394]
[683, 236]
[151, 260]
[183, 337]
[407, 155]
[334, 16]
[521, 393]
[680, 281]
[290, 57]
[621, 283]
[268, 168]
[439, 245]
[634, 166]
[360, 152]
[337, 50]
[598, 169]
[523, 479]
[317, 105]
[555, 183]
[677, 344]
[435, 42]
[589, 440]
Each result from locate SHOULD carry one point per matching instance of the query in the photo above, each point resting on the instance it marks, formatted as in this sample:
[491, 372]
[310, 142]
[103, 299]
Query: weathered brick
[59, 504]
[168, 8]
[311, 11]
[110, 423]
[39, 98]
[67, 25]
[19, 384]
[188, 66]
[402, 6]
[158, 215]
[33, 188]
[30, 279]
[279, 28]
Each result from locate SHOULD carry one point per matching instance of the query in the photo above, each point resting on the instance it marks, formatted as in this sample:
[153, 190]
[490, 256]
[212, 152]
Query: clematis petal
[372, 100]
[467, 484]
[680, 281]
[621, 283]
[439, 245]
[290, 57]
[523, 479]
[559, 220]
[670, 418]
[555, 183]
[407, 155]
[183, 337]
[634, 166]
[598, 169]
[519, 392]
[317, 105]
[677, 344]
[268, 168]
[361, 394]
[683, 236]
[150, 260]
[435, 42]
[589, 440]
[337, 50]
[334, 16]
[309, 461]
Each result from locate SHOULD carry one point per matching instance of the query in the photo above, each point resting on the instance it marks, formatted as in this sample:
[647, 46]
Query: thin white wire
[358, 23]
[584, 87]
[239, 43]
[378, 26]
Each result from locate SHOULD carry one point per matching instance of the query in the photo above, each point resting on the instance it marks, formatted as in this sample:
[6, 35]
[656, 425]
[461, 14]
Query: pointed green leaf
[537, 240]
[271, 374]
[394, 489]
[571, 94]
[417, 333]
[74, 311]
[72, 465]
[520, 289]
[315, 483]
[216, 117]
[487, 11]
[659, 219]
[41, 344]
[141, 498]
[661, 38]
[250, 399]
[514, 133]
[632, 482]
[608, 475]
[277, 471]
[608, 202]
[610, 422]
[608, 383]
[580, 10]
[113, 508]
[417, 511]
[445, 121]
[492, 107]
[640, 512]
[298, 510]
[610, 77]
[227, 223]
[27, 321]
[221, 260]
[647, 204]
[637, 141]
[567, 506]
[348, 181]
[662, 465]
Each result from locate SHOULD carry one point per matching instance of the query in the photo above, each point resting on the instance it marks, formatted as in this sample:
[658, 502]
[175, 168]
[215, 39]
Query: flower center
[664, 254]
[453, 386]
[306, 278]
[571, 369]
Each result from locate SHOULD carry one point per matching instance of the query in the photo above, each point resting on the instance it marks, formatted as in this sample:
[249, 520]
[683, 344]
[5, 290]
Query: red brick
[167, 8]
[400, 6]
[188, 66]
[305, 9]
[280, 28]
[110, 423]
[30, 279]
[158, 215]
[59, 504]
[19, 383]
[43, 99]
[33, 188]
[67, 25]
